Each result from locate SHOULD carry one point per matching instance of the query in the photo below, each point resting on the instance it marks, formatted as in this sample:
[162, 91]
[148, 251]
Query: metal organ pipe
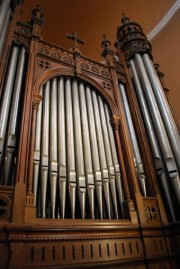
[102, 155]
[9, 115]
[87, 149]
[70, 147]
[160, 130]
[108, 155]
[115, 161]
[137, 155]
[53, 144]
[37, 148]
[4, 32]
[4, 6]
[79, 148]
[156, 152]
[45, 147]
[13, 121]
[94, 150]
[8, 91]
[62, 146]
[165, 111]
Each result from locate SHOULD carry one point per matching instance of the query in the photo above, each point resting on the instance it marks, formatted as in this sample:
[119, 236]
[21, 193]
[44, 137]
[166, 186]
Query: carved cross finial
[76, 40]
[74, 37]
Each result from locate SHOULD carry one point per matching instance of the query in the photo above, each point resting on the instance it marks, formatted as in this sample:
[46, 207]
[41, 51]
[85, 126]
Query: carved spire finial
[124, 18]
[37, 15]
[105, 42]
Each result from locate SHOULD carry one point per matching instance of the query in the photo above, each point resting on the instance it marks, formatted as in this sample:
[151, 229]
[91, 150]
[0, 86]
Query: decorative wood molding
[165, 20]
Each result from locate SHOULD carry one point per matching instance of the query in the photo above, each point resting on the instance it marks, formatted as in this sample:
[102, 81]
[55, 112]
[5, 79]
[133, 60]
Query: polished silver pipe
[53, 145]
[13, 121]
[45, 147]
[37, 147]
[156, 152]
[94, 150]
[165, 111]
[17, 93]
[62, 146]
[4, 32]
[5, 109]
[87, 148]
[79, 148]
[108, 154]
[4, 6]
[134, 142]
[102, 155]
[115, 162]
[160, 130]
[7, 97]
[70, 146]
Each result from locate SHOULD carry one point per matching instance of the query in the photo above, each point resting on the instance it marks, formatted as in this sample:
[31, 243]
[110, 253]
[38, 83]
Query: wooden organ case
[89, 153]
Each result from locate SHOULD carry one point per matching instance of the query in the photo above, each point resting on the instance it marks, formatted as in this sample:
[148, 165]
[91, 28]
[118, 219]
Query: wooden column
[30, 210]
[35, 104]
[115, 120]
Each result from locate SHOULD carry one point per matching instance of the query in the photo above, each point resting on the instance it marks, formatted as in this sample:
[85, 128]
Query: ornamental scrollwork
[44, 51]
[95, 69]
[104, 73]
[85, 66]
[142, 46]
[56, 55]
[68, 59]
[24, 31]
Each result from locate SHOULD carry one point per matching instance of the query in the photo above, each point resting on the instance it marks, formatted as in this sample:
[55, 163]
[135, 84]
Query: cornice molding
[165, 20]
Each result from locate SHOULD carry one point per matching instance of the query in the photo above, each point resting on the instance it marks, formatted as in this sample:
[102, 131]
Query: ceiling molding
[165, 20]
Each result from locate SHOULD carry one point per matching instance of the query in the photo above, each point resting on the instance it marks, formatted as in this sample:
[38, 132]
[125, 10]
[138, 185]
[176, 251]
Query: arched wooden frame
[42, 79]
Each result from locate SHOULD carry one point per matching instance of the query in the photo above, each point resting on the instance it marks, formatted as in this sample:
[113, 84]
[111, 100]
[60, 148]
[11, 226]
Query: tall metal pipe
[8, 86]
[87, 149]
[7, 97]
[62, 146]
[53, 145]
[14, 117]
[4, 6]
[45, 147]
[94, 150]
[70, 147]
[102, 155]
[37, 149]
[108, 154]
[115, 161]
[79, 148]
[160, 130]
[165, 111]
[4, 32]
[134, 142]
[156, 152]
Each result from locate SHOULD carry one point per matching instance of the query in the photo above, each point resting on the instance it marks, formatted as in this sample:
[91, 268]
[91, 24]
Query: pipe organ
[89, 153]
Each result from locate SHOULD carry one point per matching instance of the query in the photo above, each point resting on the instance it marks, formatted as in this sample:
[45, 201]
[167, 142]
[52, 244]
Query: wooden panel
[80, 252]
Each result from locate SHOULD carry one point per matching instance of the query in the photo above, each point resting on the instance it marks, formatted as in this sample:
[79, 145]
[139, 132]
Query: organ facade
[89, 152]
